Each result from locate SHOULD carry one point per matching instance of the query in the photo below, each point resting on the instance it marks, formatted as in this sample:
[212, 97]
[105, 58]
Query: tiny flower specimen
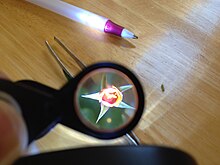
[109, 96]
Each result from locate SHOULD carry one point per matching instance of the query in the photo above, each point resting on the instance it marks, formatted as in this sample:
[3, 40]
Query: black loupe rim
[117, 155]
[81, 126]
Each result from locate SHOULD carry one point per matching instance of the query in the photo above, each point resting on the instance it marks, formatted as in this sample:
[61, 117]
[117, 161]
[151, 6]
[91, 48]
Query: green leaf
[94, 96]
[103, 110]
[125, 88]
[162, 88]
[124, 105]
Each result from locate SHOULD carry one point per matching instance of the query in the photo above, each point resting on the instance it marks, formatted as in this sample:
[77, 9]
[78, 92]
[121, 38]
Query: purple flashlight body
[113, 28]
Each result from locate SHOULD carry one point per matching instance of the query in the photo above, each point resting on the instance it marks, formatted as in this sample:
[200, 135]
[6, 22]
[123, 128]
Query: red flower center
[111, 96]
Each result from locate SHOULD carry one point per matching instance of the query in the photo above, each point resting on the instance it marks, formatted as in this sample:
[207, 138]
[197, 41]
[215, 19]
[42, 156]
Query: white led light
[82, 16]
[72, 12]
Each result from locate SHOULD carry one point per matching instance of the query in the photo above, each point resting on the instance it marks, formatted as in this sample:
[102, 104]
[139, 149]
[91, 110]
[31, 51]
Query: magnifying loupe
[108, 101]
[105, 100]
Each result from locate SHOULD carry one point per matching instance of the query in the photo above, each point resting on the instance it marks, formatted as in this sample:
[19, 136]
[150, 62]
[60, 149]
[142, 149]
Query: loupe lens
[106, 100]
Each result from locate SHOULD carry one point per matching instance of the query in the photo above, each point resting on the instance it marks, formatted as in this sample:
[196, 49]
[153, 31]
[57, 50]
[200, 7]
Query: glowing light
[109, 120]
[92, 20]
[72, 12]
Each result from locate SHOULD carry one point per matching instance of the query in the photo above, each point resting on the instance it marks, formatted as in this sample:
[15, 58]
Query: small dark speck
[162, 88]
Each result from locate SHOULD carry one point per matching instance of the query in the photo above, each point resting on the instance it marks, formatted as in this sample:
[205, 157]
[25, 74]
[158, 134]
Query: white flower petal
[94, 96]
[104, 83]
[124, 105]
[125, 88]
[103, 111]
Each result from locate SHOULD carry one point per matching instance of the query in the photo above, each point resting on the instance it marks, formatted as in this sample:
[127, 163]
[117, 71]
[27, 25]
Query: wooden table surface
[178, 46]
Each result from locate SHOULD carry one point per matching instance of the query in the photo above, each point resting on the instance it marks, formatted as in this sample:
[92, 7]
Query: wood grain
[178, 46]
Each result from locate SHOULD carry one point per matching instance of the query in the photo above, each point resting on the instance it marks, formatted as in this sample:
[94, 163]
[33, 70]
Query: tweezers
[131, 137]
[59, 61]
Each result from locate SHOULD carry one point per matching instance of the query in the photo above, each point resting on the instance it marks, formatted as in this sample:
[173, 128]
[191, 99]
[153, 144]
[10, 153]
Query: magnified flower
[108, 97]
